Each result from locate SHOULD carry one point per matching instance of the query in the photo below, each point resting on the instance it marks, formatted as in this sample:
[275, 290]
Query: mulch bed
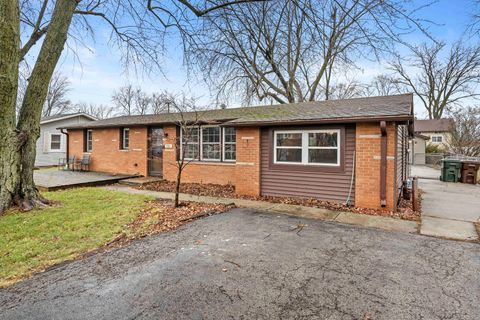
[404, 211]
[160, 216]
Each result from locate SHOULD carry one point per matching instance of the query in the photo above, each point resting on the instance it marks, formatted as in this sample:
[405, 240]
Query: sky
[97, 72]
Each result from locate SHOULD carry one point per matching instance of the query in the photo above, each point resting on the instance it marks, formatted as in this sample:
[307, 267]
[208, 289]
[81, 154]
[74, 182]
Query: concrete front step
[138, 181]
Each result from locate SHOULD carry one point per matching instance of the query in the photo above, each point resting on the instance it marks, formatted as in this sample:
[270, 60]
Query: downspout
[67, 149]
[383, 164]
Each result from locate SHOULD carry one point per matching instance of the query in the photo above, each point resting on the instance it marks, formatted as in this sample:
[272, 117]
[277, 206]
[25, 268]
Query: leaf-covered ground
[404, 211]
[80, 222]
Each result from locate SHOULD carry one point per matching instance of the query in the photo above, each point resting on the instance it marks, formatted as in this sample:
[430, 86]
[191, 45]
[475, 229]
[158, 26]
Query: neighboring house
[417, 149]
[52, 144]
[437, 131]
[332, 150]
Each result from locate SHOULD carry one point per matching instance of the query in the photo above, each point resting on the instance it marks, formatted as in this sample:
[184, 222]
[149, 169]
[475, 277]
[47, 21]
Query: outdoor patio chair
[84, 164]
[66, 163]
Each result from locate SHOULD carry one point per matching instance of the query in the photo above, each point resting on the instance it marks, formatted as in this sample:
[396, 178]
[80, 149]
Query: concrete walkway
[385, 223]
[425, 172]
[449, 210]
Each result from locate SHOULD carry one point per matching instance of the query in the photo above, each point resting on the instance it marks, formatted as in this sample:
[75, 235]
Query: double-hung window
[88, 140]
[55, 142]
[229, 144]
[209, 143]
[125, 138]
[307, 147]
[190, 142]
[437, 139]
[211, 146]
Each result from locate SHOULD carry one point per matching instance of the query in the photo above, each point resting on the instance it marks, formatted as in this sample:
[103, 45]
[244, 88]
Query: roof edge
[321, 121]
[70, 116]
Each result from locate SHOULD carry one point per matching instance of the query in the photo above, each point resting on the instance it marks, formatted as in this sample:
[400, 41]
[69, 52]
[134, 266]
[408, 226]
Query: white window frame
[200, 145]
[305, 147]
[86, 142]
[61, 149]
[230, 143]
[213, 143]
[123, 138]
[436, 139]
[197, 143]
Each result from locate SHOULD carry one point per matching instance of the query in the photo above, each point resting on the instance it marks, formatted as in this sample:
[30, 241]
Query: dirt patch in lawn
[405, 210]
[160, 216]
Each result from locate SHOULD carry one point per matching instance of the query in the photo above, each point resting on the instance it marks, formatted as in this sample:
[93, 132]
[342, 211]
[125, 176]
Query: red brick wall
[199, 172]
[247, 171]
[106, 155]
[367, 165]
[244, 174]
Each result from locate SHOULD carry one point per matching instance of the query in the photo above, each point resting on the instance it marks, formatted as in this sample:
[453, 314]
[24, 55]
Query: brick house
[333, 150]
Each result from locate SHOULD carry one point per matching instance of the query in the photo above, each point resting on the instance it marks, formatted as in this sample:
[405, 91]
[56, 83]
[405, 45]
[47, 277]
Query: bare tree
[138, 29]
[130, 100]
[188, 123]
[383, 85]
[124, 99]
[286, 50]
[161, 102]
[465, 132]
[440, 77]
[345, 90]
[142, 102]
[56, 101]
[99, 111]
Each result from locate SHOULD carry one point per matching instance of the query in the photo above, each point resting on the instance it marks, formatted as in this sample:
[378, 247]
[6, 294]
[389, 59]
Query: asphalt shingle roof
[394, 106]
[434, 125]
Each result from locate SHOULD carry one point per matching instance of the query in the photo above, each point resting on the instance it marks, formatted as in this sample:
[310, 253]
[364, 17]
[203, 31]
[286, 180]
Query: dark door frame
[154, 172]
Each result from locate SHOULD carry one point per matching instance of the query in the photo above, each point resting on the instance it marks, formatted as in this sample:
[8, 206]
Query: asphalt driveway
[245, 265]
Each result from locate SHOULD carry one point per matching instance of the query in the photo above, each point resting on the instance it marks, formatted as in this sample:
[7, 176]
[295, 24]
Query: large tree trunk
[9, 60]
[36, 93]
[17, 156]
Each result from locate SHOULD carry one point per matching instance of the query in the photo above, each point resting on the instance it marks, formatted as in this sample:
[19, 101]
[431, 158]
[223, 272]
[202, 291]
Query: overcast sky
[99, 72]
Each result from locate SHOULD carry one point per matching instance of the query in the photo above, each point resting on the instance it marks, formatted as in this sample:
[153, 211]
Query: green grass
[83, 220]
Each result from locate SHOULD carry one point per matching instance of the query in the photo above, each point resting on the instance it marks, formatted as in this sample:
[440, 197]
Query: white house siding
[417, 151]
[445, 138]
[45, 157]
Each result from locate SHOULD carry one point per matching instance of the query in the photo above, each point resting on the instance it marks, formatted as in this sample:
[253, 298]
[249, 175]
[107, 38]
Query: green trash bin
[451, 170]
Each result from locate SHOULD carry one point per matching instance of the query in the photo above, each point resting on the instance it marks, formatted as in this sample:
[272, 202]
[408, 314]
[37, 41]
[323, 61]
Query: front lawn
[83, 220]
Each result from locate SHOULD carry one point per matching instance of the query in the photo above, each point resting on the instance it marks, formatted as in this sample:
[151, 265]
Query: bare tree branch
[442, 78]
[289, 50]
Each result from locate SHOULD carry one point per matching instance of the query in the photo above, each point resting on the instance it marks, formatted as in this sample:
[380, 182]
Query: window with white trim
[437, 139]
[125, 138]
[88, 140]
[307, 147]
[190, 142]
[211, 145]
[55, 142]
[229, 144]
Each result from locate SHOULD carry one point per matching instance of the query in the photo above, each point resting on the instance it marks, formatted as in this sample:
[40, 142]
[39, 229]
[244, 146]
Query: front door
[155, 152]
